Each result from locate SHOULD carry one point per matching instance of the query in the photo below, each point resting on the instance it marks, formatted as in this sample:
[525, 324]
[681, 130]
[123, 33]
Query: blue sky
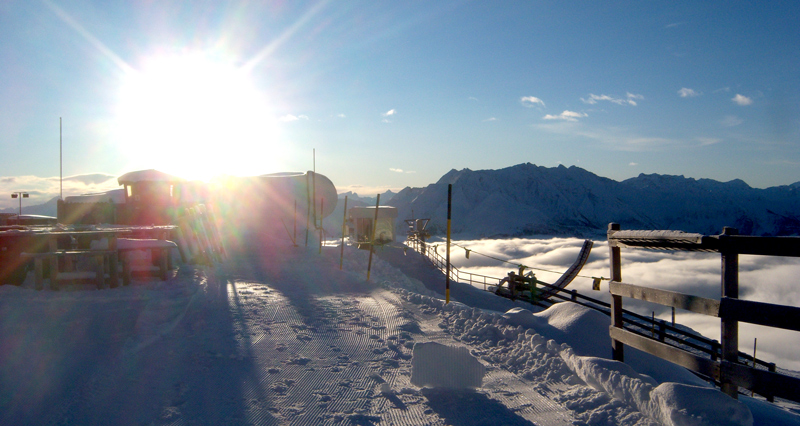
[395, 94]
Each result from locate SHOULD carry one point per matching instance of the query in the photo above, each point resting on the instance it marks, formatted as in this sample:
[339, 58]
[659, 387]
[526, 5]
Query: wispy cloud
[531, 101]
[617, 138]
[341, 115]
[400, 170]
[389, 113]
[566, 115]
[708, 141]
[490, 119]
[472, 98]
[629, 99]
[741, 100]
[730, 121]
[632, 164]
[290, 117]
[685, 92]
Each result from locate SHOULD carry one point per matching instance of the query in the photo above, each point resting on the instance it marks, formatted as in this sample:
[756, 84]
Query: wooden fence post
[617, 348]
[730, 327]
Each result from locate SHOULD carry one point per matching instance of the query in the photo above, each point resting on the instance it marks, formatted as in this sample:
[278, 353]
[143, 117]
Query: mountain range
[526, 200]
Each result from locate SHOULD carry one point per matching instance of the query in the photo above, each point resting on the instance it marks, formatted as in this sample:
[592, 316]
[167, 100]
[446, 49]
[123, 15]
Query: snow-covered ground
[282, 336]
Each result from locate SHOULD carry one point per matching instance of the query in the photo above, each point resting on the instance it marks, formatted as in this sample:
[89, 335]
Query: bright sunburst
[196, 117]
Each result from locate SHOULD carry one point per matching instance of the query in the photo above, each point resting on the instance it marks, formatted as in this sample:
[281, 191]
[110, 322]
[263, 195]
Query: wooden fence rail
[729, 371]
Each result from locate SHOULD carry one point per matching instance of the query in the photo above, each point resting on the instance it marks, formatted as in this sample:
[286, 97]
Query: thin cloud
[685, 92]
[566, 116]
[341, 115]
[396, 170]
[629, 99]
[472, 98]
[531, 101]
[708, 141]
[290, 117]
[490, 119]
[730, 121]
[389, 113]
[741, 100]
[633, 164]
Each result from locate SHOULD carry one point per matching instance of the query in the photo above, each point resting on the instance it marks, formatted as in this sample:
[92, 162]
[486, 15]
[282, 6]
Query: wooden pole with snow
[372, 240]
[344, 223]
[617, 347]
[730, 327]
[449, 210]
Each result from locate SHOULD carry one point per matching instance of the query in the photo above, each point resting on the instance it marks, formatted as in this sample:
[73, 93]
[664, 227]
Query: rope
[519, 265]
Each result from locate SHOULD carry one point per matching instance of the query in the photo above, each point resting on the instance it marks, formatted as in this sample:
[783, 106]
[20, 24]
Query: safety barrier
[730, 372]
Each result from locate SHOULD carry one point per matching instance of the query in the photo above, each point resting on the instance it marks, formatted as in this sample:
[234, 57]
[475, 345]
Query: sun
[196, 117]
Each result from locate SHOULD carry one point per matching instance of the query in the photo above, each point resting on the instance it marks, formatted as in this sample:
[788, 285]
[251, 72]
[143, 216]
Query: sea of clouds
[761, 278]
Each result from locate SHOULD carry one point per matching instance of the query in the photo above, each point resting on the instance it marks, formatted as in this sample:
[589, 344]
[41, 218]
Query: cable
[523, 266]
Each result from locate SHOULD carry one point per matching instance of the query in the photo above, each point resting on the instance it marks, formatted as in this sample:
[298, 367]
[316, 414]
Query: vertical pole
[294, 239]
[673, 316]
[449, 210]
[617, 348]
[344, 223]
[730, 327]
[322, 207]
[314, 189]
[308, 207]
[372, 240]
[60, 161]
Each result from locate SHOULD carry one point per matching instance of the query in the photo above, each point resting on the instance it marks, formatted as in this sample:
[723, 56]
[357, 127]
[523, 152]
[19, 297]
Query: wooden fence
[729, 371]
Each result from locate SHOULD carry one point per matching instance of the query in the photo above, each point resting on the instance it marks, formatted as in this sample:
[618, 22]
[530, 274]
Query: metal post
[308, 207]
[322, 206]
[60, 161]
[314, 190]
[344, 223]
[617, 348]
[730, 327]
[372, 240]
[449, 209]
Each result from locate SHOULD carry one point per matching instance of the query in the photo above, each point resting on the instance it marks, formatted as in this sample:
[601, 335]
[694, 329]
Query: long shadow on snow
[462, 407]
[301, 284]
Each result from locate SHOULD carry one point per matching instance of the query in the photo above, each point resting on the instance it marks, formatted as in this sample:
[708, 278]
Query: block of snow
[437, 365]
[521, 316]
[684, 405]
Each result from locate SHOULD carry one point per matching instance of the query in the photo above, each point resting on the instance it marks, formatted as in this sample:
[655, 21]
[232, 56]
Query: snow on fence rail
[729, 372]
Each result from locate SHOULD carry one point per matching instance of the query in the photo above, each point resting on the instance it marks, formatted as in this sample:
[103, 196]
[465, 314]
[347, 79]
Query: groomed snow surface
[281, 336]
